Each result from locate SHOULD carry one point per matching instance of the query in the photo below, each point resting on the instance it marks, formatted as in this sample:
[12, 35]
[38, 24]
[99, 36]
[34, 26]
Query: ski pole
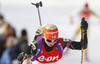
[82, 46]
[37, 6]
[83, 19]
[23, 58]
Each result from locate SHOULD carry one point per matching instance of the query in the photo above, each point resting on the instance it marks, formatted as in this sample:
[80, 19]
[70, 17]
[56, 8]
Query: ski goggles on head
[51, 40]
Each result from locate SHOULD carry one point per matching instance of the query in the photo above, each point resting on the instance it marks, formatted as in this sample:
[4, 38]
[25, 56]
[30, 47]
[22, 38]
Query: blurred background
[19, 22]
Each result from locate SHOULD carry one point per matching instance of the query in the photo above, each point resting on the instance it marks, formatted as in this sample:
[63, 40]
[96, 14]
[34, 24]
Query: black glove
[21, 56]
[28, 50]
[84, 24]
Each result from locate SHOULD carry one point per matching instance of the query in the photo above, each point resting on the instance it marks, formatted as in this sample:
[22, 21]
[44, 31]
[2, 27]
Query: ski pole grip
[24, 58]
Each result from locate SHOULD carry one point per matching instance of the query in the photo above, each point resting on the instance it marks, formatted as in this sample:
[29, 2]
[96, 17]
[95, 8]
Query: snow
[27, 17]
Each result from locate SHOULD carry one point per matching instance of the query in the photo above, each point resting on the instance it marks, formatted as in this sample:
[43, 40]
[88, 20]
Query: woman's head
[86, 5]
[50, 34]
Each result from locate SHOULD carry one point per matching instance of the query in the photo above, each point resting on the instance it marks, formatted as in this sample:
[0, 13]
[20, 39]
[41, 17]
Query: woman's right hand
[20, 56]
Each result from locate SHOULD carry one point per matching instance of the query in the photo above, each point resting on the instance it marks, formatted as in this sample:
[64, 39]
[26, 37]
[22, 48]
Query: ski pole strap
[39, 49]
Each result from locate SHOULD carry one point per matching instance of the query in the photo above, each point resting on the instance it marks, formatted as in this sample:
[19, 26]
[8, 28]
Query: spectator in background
[2, 36]
[23, 40]
[7, 44]
[13, 40]
[21, 45]
[2, 48]
[5, 48]
[5, 27]
[4, 52]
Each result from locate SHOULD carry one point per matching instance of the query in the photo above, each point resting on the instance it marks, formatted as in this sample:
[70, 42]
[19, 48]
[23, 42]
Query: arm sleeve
[34, 47]
[74, 44]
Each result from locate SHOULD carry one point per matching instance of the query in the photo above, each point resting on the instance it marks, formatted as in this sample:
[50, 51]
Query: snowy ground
[26, 17]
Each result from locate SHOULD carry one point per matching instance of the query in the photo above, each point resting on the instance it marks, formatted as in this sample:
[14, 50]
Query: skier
[87, 13]
[84, 12]
[48, 47]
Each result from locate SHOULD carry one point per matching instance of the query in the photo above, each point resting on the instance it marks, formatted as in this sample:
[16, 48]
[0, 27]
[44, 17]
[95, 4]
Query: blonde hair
[51, 27]
[40, 29]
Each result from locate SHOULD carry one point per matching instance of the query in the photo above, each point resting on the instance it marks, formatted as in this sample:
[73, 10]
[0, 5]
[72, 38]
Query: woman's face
[50, 43]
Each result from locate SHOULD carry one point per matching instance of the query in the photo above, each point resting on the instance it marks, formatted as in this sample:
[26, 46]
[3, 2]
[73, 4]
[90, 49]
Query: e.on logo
[42, 58]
